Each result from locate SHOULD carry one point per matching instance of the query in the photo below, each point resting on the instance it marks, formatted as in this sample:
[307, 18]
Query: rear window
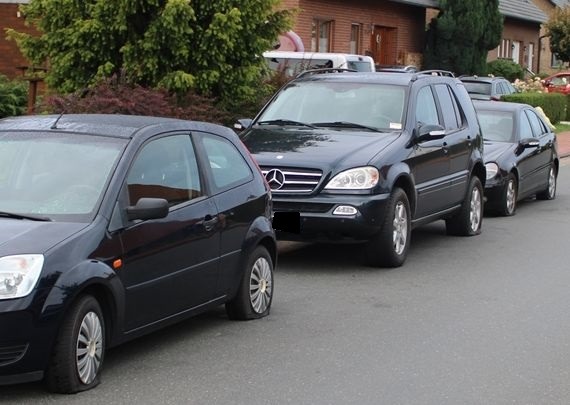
[477, 87]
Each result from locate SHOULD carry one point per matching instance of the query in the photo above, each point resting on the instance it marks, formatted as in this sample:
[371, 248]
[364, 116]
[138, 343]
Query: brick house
[391, 31]
[521, 33]
[10, 57]
[547, 62]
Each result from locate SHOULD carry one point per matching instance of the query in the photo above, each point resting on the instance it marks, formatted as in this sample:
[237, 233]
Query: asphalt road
[482, 320]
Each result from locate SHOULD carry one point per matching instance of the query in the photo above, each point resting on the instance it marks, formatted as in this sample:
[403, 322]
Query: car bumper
[25, 342]
[494, 191]
[317, 220]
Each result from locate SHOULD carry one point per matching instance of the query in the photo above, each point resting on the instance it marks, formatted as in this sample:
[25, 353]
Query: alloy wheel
[510, 196]
[400, 233]
[89, 349]
[261, 285]
[475, 209]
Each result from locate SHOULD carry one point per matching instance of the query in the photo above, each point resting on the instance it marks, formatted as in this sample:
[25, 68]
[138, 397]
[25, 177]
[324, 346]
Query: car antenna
[54, 125]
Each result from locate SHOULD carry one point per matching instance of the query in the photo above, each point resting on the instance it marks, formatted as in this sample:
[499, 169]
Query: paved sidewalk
[563, 140]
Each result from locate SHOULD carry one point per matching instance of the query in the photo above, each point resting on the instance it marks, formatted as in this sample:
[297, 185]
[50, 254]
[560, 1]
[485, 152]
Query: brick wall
[409, 22]
[525, 33]
[10, 56]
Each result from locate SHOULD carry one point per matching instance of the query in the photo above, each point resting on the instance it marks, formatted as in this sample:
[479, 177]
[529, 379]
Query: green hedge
[554, 105]
[13, 97]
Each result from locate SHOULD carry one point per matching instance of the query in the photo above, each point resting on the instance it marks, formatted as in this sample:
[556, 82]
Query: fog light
[345, 210]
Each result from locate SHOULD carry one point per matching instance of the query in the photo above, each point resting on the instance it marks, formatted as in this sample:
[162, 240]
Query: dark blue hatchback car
[114, 226]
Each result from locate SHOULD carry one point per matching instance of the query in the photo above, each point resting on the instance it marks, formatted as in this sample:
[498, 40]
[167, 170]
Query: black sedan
[114, 226]
[520, 155]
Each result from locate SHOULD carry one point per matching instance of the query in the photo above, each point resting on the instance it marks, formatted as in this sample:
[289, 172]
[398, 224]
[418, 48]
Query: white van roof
[315, 55]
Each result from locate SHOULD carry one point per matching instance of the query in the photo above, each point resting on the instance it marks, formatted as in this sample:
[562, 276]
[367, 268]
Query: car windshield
[55, 176]
[496, 125]
[376, 106]
[477, 87]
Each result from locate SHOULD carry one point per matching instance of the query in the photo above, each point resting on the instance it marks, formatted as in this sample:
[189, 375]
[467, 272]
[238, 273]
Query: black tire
[467, 222]
[389, 247]
[508, 203]
[63, 373]
[255, 293]
[550, 192]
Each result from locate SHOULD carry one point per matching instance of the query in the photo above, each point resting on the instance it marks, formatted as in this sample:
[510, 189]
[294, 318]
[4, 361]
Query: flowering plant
[532, 85]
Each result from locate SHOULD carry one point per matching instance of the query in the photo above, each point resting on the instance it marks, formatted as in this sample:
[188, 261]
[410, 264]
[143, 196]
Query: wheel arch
[480, 171]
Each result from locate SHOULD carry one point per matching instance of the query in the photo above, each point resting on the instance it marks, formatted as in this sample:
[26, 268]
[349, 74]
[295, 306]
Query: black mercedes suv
[368, 156]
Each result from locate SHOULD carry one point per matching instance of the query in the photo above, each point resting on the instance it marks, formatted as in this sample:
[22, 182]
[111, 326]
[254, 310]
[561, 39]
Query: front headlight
[19, 275]
[492, 170]
[360, 178]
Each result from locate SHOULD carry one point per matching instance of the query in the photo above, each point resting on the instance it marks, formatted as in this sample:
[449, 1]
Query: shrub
[533, 85]
[553, 104]
[13, 97]
[506, 68]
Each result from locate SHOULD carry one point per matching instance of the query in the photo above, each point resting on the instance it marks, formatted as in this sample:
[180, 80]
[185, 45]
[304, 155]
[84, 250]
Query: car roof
[486, 79]
[313, 55]
[505, 106]
[397, 78]
[115, 125]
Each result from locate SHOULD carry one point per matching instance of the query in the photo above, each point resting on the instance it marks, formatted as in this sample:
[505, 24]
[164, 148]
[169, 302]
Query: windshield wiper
[345, 124]
[13, 215]
[285, 122]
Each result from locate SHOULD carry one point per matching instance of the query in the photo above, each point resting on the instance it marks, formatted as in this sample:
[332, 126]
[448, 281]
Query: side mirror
[528, 143]
[148, 208]
[428, 132]
[242, 124]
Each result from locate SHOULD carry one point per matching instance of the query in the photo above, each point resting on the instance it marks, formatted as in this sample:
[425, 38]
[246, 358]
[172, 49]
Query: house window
[321, 38]
[355, 38]
[530, 55]
[555, 62]
[504, 49]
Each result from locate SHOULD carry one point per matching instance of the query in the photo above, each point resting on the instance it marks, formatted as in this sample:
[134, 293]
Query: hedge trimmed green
[554, 105]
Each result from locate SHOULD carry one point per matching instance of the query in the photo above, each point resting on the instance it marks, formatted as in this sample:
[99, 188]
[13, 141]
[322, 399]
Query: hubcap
[400, 233]
[475, 212]
[89, 348]
[261, 285]
[511, 196]
[551, 183]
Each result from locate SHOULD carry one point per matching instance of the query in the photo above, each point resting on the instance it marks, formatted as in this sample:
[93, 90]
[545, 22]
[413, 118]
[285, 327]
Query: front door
[171, 264]
[383, 45]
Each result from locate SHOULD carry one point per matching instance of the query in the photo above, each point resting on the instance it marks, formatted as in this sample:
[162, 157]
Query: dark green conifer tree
[462, 34]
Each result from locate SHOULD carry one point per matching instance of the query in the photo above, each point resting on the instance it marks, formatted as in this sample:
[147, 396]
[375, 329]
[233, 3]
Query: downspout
[540, 38]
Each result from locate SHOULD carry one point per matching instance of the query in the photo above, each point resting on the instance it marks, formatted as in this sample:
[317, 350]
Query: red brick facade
[398, 26]
[10, 56]
[520, 42]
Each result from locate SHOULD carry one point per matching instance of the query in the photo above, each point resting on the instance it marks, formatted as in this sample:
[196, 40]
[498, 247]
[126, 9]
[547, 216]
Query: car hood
[315, 148]
[496, 150]
[18, 236]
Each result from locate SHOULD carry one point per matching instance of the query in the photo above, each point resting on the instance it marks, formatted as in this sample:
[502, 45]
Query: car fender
[96, 278]
[259, 232]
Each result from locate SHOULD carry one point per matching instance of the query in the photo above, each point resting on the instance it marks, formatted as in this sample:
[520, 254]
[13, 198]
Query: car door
[430, 161]
[170, 265]
[545, 150]
[457, 143]
[528, 157]
[239, 201]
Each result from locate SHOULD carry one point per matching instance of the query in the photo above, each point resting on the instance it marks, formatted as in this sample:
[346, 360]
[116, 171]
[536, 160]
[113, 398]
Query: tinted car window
[228, 166]
[535, 123]
[478, 87]
[447, 106]
[525, 130]
[426, 111]
[165, 168]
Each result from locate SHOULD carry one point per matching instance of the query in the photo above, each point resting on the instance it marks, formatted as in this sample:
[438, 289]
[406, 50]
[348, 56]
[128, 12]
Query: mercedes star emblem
[275, 178]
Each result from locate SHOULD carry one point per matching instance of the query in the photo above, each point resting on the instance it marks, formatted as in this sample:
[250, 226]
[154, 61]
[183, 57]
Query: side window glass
[227, 165]
[502, 88]
[446, 103]
[165, 168]
[426, 111]
[537, 129]
[525, 128]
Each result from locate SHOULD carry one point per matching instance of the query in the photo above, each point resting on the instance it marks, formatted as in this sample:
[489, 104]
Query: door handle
[210, 222]
[445, 148]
